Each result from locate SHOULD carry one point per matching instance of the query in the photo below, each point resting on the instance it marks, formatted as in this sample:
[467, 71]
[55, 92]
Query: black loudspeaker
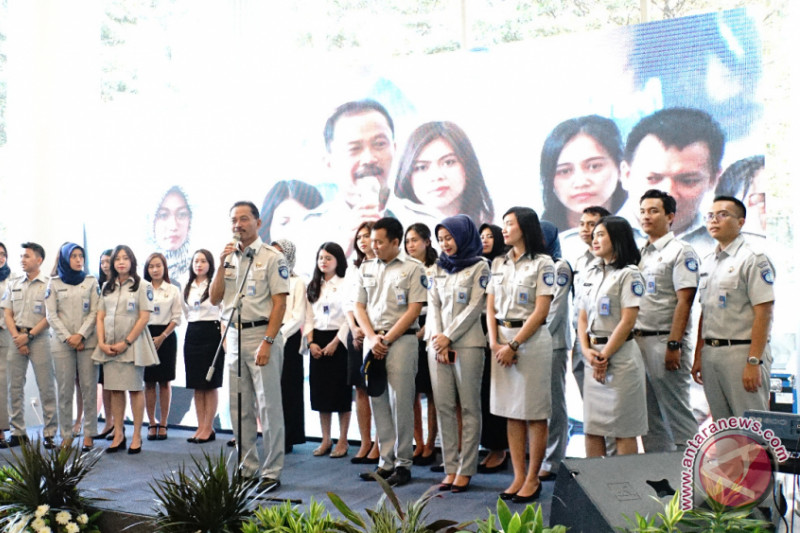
[592, 495]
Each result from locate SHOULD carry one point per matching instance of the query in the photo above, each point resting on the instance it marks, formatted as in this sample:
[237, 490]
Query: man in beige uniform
[391, 291]
[262, 307]
[25, 316]
[732, 359]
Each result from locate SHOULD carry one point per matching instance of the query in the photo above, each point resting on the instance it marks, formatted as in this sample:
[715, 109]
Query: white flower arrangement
[42, 510]
[63, 518]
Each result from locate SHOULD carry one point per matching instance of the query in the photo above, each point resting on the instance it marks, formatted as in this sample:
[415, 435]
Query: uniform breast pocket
[400, 293]
[525, 291]
[607, 305]
[461, 294]
[729, 283]
[257, 282]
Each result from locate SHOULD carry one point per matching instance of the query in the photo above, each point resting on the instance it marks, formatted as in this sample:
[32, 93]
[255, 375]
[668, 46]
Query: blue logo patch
[484, 281]
[637, 287]
[283, 271]
[424, 280]
[549, 279]
[562, 279]
[691, 264]
[150, 293]
[767, 276]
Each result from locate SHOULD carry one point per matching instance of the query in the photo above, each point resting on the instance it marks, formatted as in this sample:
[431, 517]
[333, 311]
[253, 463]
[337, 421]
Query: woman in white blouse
[166, 316]
[326, 331]
[200, 345]
[293, 375]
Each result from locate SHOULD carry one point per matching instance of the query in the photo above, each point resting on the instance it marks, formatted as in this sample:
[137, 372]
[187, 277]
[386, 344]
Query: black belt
[644, 333]
[510, 323]
[725, 342]
[409, 331]
[604, 340]
[246, 325]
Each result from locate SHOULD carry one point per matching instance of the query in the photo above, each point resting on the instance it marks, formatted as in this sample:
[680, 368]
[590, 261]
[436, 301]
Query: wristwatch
[755, 361]
[514, 345]
[30, 336]
[673, 345]
[268, 339]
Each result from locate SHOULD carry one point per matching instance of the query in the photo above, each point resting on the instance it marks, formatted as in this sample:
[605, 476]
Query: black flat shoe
[134, 451]
[86, 449]
[110, 436]
[444, 487]
[121, 446]
[231, 443]
[508, 495]
[210, 438]
[460, 488]
[193, 440]
[549, 477]
[424, 460]
[104, 434]
[154, 429]
[369, 461]
[483, 469]
[437, 468]
[528, 499]
[159, 436]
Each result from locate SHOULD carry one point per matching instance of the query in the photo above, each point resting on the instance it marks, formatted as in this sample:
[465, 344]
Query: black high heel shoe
[104, 434]
[121, 446]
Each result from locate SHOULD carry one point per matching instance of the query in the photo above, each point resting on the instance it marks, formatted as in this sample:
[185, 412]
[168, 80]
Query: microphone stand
[237, 306]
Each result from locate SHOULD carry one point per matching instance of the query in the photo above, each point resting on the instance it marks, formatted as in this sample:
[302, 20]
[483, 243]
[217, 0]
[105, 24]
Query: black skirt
[292, 391]
[355, 358]
[327, 378]
[493, 427]
[422, 383]
[167, 354]
[199, 347]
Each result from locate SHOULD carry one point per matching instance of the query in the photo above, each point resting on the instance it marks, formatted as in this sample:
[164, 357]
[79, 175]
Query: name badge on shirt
[251, 288]
[522, 297]
[86, 305]
[38, 308]
[722, 299]
[196, 304]
[605, 306]
[156, 309]
[132, 305]
[400, 297]
[326, 309]
[461, 297]
[650, 282]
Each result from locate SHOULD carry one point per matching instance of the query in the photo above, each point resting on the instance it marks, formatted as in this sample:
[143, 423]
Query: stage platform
[122, 480]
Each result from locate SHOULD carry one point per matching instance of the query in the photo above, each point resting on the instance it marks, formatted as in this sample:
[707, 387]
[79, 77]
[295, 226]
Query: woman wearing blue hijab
[71, 301]
[456, 298]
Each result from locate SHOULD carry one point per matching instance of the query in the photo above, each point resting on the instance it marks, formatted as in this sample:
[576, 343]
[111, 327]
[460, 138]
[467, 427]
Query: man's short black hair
[245, 203]
[355, 107]
[679, 127]
[735, 201]
[392, 227]
[597, 210]
[35, 248]
[669, 203]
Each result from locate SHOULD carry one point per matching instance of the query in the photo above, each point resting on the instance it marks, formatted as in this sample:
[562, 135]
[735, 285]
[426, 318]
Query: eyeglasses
[719, 216]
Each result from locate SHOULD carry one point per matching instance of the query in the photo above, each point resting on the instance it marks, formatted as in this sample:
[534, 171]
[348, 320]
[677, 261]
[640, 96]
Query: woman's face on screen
[438, 177]
[287, 219]
[171, 226]
[585, 174]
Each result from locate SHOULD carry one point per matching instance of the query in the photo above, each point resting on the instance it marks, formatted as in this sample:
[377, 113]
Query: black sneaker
[268, 484]
[401, 476]
[49, 443]
[382, 472]
[16, 440]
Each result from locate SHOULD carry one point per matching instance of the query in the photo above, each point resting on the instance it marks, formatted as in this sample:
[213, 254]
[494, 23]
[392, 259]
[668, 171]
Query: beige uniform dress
[618, 407]
[732, 281]
[125, 372]
[455, 302]
[72, 309]
[5, 343]
[522, 391]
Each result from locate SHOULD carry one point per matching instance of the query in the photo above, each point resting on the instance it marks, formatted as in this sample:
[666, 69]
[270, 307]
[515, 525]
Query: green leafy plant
[530, 521]
[391, 517]
[286, 518]
[717, 517]
[44, 481]
[207, 498]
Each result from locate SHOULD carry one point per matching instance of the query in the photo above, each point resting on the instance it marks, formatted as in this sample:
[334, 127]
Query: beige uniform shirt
[732, 281]
[72, 309]
[26, 299]
[606, 292]
[386, 289]
[559, 307]
[455, 302]
[515, 285]
[268, 275]
[667, 266]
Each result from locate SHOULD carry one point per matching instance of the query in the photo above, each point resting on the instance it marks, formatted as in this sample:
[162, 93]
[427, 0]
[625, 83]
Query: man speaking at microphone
[262, 308]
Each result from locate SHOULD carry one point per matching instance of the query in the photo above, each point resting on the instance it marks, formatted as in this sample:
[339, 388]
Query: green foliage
[208, 499]
[716, 518]
[286, 518]
[530, 521]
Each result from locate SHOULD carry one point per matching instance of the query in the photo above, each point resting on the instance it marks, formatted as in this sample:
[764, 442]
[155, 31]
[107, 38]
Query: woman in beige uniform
[5, 342]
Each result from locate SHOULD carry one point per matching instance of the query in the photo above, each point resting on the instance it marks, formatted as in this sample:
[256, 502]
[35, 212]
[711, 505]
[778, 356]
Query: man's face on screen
[360, 158]
[685, 174]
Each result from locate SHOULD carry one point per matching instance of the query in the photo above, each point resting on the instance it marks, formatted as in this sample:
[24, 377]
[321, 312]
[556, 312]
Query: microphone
[237, 243]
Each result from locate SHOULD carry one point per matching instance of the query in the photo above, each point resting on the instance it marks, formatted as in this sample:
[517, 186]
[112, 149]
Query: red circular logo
[734, 469]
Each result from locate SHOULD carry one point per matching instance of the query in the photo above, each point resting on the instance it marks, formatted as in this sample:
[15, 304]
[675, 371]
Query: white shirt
[328, 312]
[296, 303]
[166, 305]
[194, 309]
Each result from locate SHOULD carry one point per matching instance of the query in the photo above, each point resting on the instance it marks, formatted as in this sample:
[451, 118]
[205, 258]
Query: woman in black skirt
[293, 374]
[166, 316]
[326, 327]
[200, 345]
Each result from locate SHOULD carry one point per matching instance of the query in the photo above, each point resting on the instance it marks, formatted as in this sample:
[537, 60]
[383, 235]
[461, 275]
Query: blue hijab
[65, 272]
[5, 270]
[551, 242]
[468, 241]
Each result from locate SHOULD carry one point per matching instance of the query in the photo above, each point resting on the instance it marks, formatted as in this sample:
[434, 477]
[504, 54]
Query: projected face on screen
[586, 175]
[172, 221]
[438, 177]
